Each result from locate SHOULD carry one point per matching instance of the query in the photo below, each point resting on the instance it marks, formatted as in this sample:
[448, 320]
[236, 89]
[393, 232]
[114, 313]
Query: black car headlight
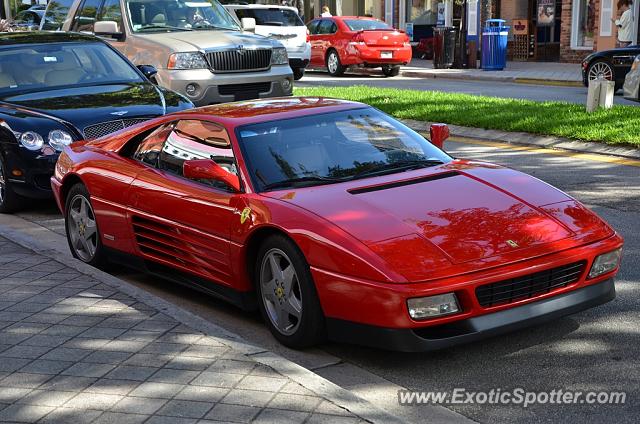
[58, 139]
[31, 140]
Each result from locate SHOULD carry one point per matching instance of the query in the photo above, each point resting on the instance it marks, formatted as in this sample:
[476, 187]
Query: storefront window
[422, 12]
[584, 23]
[374, 8]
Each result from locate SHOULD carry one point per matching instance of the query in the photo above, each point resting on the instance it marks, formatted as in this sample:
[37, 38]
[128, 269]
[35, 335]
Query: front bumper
[36, 169]
[475, 328]
[229, 87]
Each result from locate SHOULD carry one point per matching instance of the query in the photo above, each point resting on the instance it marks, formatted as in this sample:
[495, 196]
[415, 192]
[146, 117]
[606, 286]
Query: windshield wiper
[217, 27]
[164, 27]
[291, 182]
[405, 165]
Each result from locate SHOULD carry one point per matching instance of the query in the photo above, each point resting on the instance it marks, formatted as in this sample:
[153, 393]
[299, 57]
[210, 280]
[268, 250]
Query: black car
[57, 88]
[612, 65]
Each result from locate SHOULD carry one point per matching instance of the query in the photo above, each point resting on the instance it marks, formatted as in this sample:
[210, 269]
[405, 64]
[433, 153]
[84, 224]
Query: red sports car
[335, 220]
[338, 43]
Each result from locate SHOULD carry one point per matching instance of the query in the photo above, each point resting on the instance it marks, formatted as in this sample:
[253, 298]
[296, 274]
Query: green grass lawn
[619, 125]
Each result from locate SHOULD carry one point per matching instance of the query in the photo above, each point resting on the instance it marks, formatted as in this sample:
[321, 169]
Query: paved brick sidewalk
[74, 350]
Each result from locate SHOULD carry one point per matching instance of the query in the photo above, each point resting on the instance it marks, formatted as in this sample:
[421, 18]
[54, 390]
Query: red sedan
[338, 43]
[335, 220]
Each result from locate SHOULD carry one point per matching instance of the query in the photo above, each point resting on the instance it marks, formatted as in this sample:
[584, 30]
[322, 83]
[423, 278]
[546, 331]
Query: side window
[56, 14]
[148, 150]
[326, 27]
[111, 11]
[313, 26]
[86, 16]
[193, 139]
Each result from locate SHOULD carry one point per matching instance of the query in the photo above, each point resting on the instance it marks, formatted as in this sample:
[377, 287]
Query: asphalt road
[593, 350]
[485, 88]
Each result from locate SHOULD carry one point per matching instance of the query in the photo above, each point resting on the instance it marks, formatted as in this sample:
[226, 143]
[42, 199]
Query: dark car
[57, 88]
[611, 65]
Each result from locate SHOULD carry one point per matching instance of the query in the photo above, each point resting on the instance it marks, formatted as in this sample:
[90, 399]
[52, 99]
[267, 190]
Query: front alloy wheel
[600, 70]
[81, 226]
[287, 295]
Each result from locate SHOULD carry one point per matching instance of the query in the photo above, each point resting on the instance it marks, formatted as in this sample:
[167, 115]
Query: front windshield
[38, 67]
[178, 15]
[332, 147]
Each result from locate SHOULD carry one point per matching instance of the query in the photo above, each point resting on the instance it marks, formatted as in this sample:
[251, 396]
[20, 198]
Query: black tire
[390, 70]
[335, 69]
[10, 202]
[298, 73]
[97, 257]
[309, 329]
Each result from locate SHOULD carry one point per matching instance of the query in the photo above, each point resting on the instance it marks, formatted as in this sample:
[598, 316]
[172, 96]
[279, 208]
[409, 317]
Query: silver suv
[198, 49]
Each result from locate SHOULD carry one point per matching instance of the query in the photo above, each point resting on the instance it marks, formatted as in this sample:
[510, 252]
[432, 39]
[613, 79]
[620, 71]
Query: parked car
[631, 87]
[56, 88]
[197, 47]
[28, 19]
[281, 23]
[333, 218]
[338, 43]
[611, 65]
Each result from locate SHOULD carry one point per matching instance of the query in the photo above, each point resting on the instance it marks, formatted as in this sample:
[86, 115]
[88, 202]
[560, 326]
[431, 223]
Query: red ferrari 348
[336, 221]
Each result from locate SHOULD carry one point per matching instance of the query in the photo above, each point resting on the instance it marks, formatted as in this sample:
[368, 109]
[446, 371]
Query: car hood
[455, 218]
[185, 41]
[84, 106]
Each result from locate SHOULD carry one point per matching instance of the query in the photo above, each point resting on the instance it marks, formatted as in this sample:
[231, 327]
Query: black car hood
[87, 105]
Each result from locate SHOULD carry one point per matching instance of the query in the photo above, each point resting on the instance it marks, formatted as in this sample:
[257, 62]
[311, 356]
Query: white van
[281, 23]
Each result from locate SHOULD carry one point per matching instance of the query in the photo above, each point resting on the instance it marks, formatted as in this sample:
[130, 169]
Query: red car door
[182, 223]
[322, 41]
[316, 43]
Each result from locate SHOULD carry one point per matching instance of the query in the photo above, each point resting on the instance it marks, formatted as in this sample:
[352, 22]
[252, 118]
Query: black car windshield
[365, 24]
[332, 147]
[271, 16]
[178, 15]
[37, 67]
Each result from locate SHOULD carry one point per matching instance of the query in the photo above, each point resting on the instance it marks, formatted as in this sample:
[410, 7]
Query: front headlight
[31, 140]
[279, 56]
[190, 60]
[605, 263]
[58, 139]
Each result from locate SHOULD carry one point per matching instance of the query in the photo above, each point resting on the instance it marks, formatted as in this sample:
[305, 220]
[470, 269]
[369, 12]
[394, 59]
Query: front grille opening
[245, 91]
[105, 128]
[239, 60]
[528, 286]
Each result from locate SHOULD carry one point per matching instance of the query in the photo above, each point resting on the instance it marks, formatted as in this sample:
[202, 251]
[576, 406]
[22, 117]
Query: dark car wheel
[9, 201]
[601, 69]
[390, 70]
[81, 227]
[334, 66]
[287, 295]
[298, 73]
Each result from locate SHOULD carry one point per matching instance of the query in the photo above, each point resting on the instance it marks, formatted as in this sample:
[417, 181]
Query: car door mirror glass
[207, 169]
[249, 24]
[148, 71]
[108, 29]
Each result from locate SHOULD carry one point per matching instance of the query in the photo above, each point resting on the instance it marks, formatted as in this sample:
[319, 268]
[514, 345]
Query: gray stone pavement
[538, 72]
[76, 350]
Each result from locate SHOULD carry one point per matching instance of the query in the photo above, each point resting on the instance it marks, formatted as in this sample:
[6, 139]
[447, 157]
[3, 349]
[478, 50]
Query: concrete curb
[527, 139]
[40, 240]
[494, 78]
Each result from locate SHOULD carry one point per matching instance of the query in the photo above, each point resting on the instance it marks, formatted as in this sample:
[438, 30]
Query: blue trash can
[494, 45]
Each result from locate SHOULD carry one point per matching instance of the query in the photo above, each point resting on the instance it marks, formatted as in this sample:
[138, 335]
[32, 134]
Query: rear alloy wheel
[9, 201]
[287, 297]
[601, 69]
[390, 70]
[298, 73]
[334, 66]
[82, 229]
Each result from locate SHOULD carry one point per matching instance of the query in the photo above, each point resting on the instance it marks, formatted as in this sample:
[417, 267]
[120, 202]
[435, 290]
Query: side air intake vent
[403, 183]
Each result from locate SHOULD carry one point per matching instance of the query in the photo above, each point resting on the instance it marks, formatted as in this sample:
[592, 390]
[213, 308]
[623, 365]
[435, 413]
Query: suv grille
[529, 286]
[104, 128]
[239, 60]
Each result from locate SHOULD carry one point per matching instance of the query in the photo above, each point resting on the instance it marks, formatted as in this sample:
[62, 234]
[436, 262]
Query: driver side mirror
[148, 71]
[438, 134]
[108, 29]
[206, 169]
[249, 24]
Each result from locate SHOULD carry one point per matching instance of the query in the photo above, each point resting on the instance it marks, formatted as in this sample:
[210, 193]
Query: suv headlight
[190, 60]
[58, 139]
[31, 140]
[605, 263]
[279, 56]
